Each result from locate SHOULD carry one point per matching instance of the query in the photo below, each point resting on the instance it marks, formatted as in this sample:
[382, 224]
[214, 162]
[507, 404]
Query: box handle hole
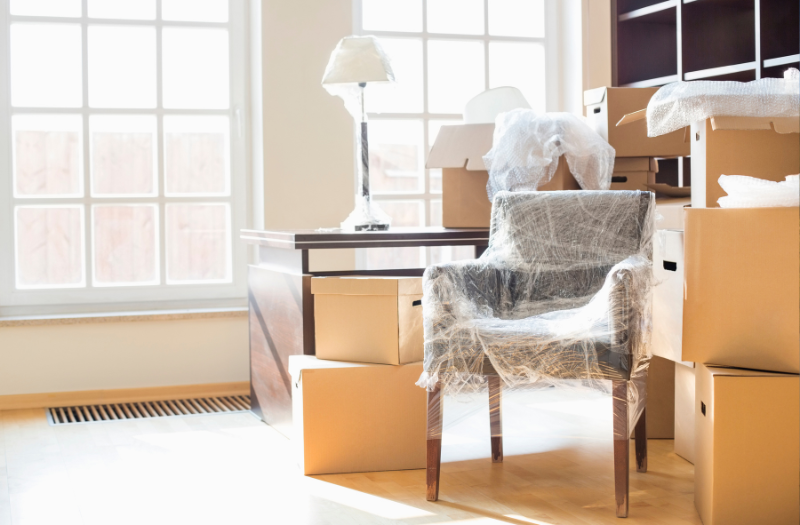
[670, 266]
[418, 302]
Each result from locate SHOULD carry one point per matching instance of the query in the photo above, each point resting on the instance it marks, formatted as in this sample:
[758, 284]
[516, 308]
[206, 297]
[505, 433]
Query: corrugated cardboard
[741, 146]
[742, 298]
[671, 211]
[747, 455]
[368, 319]
[684, 411]
[354, 417]
[763, 147]
[606, 106]
[459, 152]
[728, 294]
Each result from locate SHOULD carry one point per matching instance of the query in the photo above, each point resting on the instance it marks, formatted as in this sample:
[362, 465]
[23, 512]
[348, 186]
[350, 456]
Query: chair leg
[434, 458]
[496, 417]
[640, 433]
[621, 446]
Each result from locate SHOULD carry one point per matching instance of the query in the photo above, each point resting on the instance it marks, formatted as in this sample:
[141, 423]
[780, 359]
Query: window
[124, 142]
[443, 53]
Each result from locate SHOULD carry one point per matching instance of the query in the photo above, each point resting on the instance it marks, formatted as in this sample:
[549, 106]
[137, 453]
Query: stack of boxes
[355, 405]
[726, 311]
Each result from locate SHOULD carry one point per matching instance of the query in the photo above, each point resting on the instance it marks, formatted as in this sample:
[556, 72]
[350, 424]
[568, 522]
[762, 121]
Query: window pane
[49, 242]
[520, 65]
[455, 16]
[122, 67]
[392, 15]
[195, 10]
[196, 155]
[47, 155]
[443, 254]
[125, 246]
[404, 95]
[124, 9]
[123, 156]
[198, 243]
[71, 8]
[403, 213]
[435, 174]
[455, 74]
[395, 155]
[516, 18]
[46, 65]
[195, 68]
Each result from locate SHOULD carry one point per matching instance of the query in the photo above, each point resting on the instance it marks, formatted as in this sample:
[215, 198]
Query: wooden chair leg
[640, 433]
[621, 446]
[434, 459]
[496, 417]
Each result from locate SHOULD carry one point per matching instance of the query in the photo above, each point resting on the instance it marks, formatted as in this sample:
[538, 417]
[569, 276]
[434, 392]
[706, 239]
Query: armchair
[562, 293]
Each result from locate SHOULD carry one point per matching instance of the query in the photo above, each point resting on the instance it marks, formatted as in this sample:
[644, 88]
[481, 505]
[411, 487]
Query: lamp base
[371, 227]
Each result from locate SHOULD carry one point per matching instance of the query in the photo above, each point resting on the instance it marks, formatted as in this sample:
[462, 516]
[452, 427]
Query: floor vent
[147, 410]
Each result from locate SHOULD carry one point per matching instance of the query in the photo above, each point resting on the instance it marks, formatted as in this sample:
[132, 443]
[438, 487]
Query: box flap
[718, 370]
[635, 164]
[355, 285]
[461, 146]
[633, 117]
[779, 124]
[298, 363]
[594, 96]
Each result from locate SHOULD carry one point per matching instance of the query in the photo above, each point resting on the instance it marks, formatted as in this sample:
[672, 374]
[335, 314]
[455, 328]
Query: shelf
[653, 82]
[720, 71]
[649, 10]
[782, 61]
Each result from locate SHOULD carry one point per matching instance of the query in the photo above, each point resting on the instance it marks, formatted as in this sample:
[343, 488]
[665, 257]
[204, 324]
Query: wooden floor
[233, 469]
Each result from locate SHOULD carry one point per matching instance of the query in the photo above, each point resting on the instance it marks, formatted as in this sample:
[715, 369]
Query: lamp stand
[367, 216]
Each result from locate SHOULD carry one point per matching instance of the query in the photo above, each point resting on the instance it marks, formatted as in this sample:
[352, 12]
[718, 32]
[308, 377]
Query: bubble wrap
[679, 104]
[562, 296]
[526, 147]
[750, 192]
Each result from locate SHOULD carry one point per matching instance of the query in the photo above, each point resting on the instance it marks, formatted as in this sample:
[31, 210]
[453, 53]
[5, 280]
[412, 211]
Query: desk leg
[281, 324]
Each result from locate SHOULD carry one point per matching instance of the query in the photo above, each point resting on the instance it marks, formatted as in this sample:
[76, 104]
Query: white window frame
[552, 73]
[54, 301]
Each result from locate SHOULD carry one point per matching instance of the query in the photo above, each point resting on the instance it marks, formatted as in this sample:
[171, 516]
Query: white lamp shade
[358, 59]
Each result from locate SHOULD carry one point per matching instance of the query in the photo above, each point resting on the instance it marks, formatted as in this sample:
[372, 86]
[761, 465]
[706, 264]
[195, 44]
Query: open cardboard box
[459, 151]
[728, 289]
[763, 147]
[605, 106]
[747, 459]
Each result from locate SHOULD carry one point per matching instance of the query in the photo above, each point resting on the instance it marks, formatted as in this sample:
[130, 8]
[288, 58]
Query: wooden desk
[282, 307]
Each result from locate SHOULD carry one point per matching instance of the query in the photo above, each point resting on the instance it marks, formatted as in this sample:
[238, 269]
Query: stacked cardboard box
[355, 405]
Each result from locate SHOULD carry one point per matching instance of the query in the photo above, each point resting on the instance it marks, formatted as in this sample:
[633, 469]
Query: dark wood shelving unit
[657, 42]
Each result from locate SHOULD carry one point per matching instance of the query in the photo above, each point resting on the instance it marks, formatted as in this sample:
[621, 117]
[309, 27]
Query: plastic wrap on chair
[561, 297]
[679, 104]
[526, 147]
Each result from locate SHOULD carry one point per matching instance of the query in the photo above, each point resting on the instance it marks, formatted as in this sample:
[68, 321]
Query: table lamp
[356, 61]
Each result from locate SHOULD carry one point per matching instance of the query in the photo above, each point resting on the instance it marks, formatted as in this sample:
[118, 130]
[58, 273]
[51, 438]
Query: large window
[443, 53]
[123, 181]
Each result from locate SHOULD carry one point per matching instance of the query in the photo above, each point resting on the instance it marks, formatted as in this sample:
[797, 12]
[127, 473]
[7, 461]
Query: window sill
[124, 317]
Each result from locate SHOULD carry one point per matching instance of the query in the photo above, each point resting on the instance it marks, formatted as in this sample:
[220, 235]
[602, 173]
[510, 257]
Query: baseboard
[123, 395]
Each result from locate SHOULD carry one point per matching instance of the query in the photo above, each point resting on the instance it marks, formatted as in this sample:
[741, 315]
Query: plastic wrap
[679, 104]
[526, 148]
[561, 300]
[750, 192]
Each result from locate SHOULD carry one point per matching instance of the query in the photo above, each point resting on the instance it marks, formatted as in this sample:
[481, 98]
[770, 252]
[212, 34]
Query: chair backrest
[562, 228]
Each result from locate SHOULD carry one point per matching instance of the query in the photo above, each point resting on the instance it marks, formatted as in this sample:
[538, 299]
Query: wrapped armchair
[562, 293]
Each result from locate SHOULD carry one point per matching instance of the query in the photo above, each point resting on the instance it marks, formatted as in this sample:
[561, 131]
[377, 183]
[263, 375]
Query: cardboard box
[763, 147]
[684, 411]
[355, 417]
[728, 294]
[606, 106]
[747, 455]
[459, 152]
[671, 211]
[368, 319]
